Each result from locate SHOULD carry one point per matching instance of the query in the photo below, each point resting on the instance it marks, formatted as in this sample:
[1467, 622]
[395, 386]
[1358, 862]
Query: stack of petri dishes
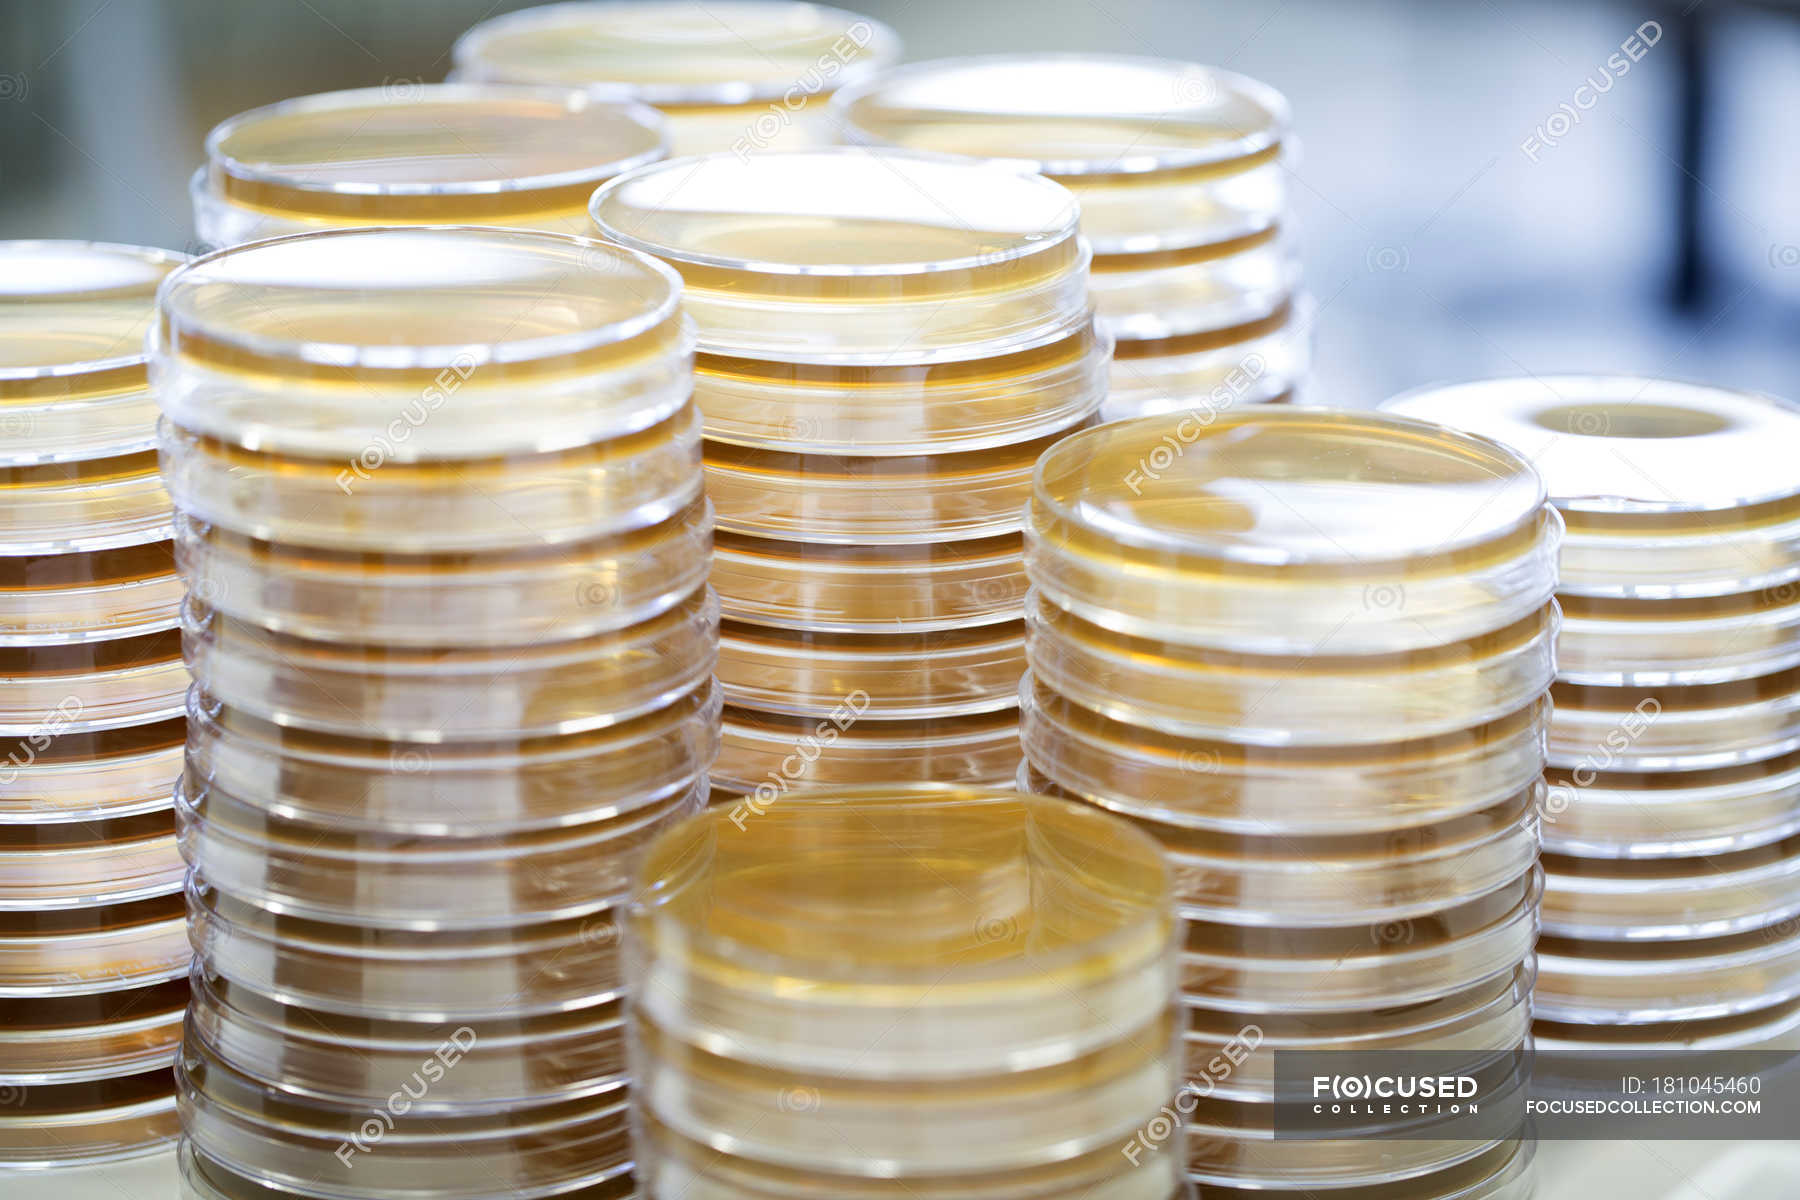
[93, 956]
[440, 518]
[888, 341]
[1308, 652]
[904, 992]
[738, 75]
[1181, 179]
[1672, 820]
[416, 154]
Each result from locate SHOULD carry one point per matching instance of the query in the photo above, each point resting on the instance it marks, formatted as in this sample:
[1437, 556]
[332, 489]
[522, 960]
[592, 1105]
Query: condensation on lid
[1620, 445]
[676, 52]
[1069, 115]
[1287, 487]
[69, 308]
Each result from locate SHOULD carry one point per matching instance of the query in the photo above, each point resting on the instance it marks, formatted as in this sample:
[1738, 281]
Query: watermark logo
[411, 418]
[1567, 116]
[1559, 798]
[1215, 1072]
[26, 749]
[795, 767]
[779, 116]
[1191, 425]
[381, 1119]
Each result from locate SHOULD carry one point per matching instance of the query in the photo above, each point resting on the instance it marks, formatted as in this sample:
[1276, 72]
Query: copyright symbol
[797, 1100]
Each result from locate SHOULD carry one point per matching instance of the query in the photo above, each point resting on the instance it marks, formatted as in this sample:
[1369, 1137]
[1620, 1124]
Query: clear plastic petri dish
[456, 789]
[767, 755]
[1233, 1145]
[519, 598]
[1227, 788]
[523, 503]
[82, 951]
[1164, 155]
[412, 153]
[498, 1063]
[1290, 531]
[46, 691]
[440, 695]
[1772, 1028]
[1503, 1172]
[740, 75]
[84, 864]
[905, 675]
[375, 349]
[911, 932]
[1255, 970]
[870, 589]
[1282, 701]
[1589, 982]
[408, 881]
[204, 1178]
[875, 410]
[72, 323]
[291, 1142]
[857, 500]
[1657, 728]
[80, 506]
[89, 1123]
[1177, 293]
[1672, 898]
[906, 1129]
[75, 776]
[1692, 640]
[1259, 362]
[1669, 489]
[405, 974]
[851, 257]
[1617, 814]
[51, 599]
[48, 1040]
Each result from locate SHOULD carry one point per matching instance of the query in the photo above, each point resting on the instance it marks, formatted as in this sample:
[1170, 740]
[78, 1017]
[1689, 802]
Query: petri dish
[1163, 155]
[1690, 640]
[100, 948]
[89, 1123]
[1270, 700]
[909, 675]
[88, 775]
[1176, 293]
[415, 153]
[906, 1129]
[401, 881]
[921, 587]
[1503, 1172]
[353, 1060]
[767, 755]
[1675, 728]
[495, 504]
[51, 599]
[1259, 362]
[1227, 788]
[1232, 1146]
[455, 789]
[518, 598]
[1622, 814]
[405, 974]
[83, 864]
[377, 349]
[83, 505]
[850, 257]
[1246, 969]
[1584, 981]
[290, 1142]
[739, 75]
[1669, 489]
[920, 932]
[46, 691]
[50, 1040]
[72, 376]
[443, 695]
[1671, 898]
[1771, 1028]
[977, 404]
[1290, 531]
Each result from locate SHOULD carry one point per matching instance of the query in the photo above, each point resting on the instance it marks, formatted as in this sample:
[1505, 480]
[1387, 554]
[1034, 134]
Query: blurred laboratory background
[1468, 207]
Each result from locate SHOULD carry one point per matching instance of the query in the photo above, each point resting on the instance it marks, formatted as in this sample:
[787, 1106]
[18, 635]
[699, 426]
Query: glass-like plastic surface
[67, 774]
[1261, 362]
[1672, 898]
[69, 507]
[81, 951]
[1692, 640]
[82, 864]
[1233, 1145]
[1287, 531]
[1590, 982]
[88, 1123]
[417, 154]
[72, 322]
[1503, 1172]
[857, 258]
[1771, 1028]
[46, 691]
[74, 1039]
[47, 599]
[1675, 728]
[1620, 814]
[769, 755]
[1180, 293]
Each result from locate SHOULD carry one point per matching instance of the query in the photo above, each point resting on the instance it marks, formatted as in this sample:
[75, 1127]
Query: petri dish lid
[72, 323]
[1630, 447]
[1069, 115]
[852, 256]
[674, 53]
[443, 151]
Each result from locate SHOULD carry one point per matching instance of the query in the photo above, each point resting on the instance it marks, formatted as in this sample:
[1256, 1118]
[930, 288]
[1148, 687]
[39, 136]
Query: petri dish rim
[150, 256]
